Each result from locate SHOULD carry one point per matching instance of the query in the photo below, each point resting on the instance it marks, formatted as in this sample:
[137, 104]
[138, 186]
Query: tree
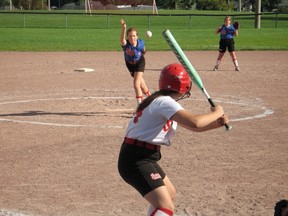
[60, 3]
[186, 4]
[167, 4]
[127, 2]
[4, 3]
[213, 5]
[270, 4]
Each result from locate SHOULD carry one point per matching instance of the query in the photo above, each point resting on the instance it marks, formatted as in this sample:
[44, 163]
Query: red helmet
[174, 77]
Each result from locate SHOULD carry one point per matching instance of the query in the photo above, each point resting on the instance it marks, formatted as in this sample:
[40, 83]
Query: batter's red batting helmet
[174, 77]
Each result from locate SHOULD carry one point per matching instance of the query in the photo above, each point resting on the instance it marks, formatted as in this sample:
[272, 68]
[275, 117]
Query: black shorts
[138, 167]
[138, 66]
[226, 43]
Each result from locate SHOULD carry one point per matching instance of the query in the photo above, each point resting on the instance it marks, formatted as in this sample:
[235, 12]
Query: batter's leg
[161, 197]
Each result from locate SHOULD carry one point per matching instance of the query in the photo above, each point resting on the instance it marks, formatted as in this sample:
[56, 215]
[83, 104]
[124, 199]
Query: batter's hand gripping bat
[188, 66]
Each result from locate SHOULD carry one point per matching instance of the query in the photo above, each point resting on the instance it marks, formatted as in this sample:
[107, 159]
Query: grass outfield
[78, 32]
[101, 40]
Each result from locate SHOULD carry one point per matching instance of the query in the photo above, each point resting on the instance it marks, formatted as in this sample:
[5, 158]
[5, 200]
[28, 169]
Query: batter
[154, 125]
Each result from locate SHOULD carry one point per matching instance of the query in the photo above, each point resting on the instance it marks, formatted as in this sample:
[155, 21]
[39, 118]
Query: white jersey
[153, 124]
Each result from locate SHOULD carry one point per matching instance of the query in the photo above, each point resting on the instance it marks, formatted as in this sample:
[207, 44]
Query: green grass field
[81, 32]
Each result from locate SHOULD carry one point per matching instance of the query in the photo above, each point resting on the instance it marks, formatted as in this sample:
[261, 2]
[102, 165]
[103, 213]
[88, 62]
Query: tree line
[222, 5]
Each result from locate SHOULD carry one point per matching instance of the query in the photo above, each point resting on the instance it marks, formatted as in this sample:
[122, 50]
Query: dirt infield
[61, 132]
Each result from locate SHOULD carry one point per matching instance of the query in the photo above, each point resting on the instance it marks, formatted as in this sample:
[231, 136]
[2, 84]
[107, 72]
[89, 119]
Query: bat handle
[228, 127]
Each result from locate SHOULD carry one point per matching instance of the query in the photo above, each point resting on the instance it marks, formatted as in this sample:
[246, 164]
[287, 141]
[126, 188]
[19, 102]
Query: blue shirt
[227, 32]
[131, 53]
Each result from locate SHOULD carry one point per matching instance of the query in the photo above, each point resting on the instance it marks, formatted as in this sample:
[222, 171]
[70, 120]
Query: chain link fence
[70, 20]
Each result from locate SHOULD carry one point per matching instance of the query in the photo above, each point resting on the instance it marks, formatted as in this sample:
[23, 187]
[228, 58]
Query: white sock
[236, 63]
[218, 62]
[139, 100]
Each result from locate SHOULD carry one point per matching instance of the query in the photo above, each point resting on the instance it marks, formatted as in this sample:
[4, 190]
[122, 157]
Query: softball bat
[188, 66]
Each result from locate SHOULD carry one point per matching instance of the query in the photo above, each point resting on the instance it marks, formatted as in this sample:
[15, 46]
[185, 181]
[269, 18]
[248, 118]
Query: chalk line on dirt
[9, 212]
[264, 110]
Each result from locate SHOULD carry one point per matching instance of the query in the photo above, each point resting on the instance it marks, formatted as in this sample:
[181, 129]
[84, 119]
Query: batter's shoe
[237, 68]
[215, 68]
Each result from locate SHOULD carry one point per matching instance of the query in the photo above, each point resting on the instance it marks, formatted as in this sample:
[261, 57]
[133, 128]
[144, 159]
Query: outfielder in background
[134, 50]
[227, 32]
[153, 125]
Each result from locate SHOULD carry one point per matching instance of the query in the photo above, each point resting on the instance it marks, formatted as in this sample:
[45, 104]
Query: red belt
[142, 144]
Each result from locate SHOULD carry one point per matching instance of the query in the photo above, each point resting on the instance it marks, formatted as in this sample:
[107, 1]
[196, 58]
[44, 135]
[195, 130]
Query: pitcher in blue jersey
[134, 50]
[227, 33]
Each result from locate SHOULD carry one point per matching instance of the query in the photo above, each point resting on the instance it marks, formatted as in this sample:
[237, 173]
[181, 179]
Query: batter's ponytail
[146, 102]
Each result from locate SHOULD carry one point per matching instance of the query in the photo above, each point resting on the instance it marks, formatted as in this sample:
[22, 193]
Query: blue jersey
[131, 53]
[227, 32]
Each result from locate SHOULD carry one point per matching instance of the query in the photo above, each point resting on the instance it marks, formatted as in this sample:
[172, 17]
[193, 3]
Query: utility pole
[240, 6]
[257, 15]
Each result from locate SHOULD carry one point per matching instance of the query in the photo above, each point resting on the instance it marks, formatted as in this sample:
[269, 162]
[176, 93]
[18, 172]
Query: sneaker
[237, 68]
[215, 68]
